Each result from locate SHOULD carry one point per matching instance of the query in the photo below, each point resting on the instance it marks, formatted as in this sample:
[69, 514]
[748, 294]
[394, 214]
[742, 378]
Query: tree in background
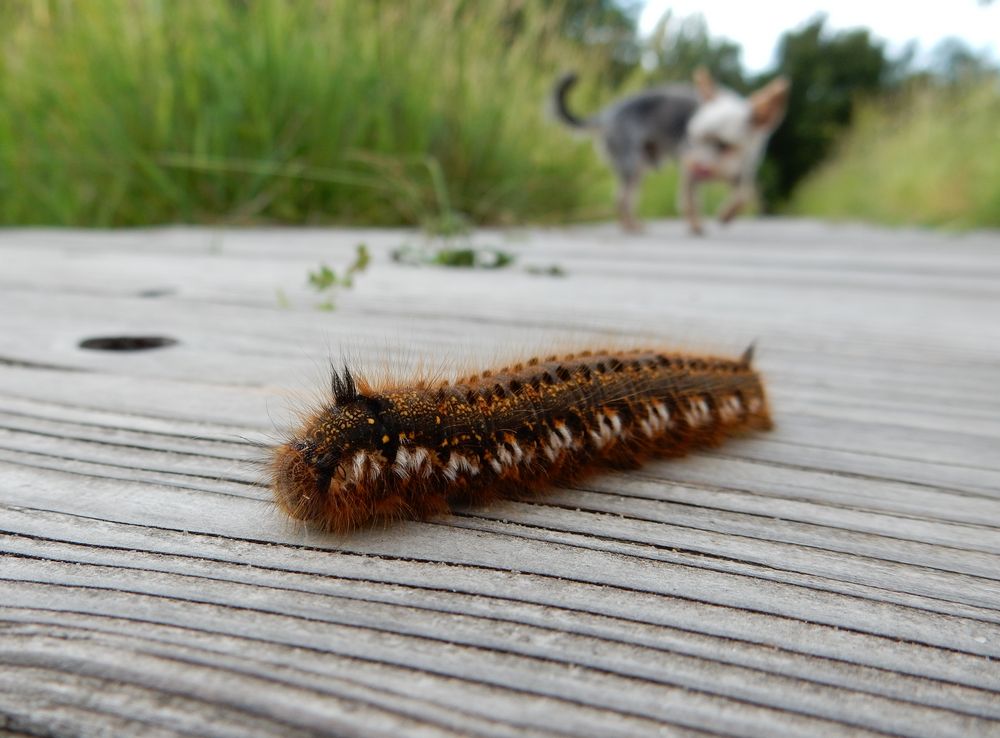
[829, 72]
[607, 26]
[953, 61]
[680, 45]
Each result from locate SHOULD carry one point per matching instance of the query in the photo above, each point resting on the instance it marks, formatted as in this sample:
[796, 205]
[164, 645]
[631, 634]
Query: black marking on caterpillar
[380, 454]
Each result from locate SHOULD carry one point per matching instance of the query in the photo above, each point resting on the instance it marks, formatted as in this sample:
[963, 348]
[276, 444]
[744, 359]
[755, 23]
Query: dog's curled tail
[559, 92]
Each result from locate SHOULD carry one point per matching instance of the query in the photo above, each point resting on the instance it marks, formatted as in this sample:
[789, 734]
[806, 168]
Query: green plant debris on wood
[465, 257]
[323, 278]
[326, 281]
[552, 270]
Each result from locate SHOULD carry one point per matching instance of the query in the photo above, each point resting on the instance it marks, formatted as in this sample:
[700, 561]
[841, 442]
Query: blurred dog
[714, 133]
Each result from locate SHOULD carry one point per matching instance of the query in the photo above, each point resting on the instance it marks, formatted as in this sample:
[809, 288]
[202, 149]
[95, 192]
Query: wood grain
[838, 576]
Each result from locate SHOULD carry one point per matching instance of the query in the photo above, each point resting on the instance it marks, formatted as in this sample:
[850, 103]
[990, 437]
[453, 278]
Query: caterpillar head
[320, 472]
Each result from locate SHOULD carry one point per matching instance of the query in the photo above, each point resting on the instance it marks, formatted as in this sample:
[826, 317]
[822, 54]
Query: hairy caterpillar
[375, 455]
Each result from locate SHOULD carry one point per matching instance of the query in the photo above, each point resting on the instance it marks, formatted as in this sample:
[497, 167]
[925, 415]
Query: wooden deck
[837, 576]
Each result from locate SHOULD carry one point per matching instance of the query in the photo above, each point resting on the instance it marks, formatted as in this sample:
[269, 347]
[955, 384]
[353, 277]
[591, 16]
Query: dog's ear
[704, 84]
[768, 104]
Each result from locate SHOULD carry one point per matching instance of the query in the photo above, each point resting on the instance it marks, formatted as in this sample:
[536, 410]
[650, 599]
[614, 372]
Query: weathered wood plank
[839, 576]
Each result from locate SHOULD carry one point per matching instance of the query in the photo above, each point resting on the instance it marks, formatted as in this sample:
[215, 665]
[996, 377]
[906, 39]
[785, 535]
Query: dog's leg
[688, 202]
[628, 188]
[734, 204]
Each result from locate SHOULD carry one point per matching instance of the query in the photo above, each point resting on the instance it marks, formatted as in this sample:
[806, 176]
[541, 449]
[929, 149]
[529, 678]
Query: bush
[128, 113]
[932, 158]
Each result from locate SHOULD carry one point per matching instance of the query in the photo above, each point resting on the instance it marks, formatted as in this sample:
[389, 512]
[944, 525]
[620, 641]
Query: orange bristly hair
[410, 451]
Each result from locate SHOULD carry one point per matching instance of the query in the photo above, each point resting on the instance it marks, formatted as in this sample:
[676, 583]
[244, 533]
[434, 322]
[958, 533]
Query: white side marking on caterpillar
[402, 465]
[505, 456]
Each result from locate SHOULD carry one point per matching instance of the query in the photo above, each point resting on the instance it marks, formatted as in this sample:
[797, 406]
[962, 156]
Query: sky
[757, 25]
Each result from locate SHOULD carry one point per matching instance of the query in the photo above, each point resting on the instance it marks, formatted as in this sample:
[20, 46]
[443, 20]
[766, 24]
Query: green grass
[423, 112]
[930, 158]
[120, 113]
